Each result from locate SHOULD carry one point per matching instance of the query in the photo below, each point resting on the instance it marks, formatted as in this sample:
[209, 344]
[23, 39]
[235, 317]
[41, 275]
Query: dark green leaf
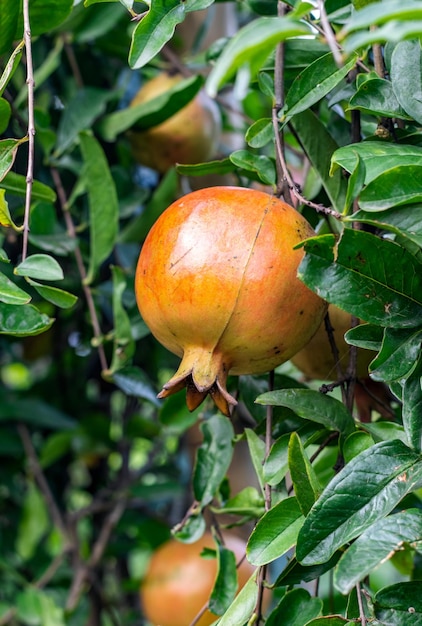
[40, 266]
[412, 405]
[405, 221]
[9, 12]
[247, 503]
[22, 320]
[45, 15]
[5, 114]
[252, 44]
[123, 344]
[330, 620]
[154, 30]
[355, 183]
[58, 297]
[406, 77]
[365, 336]
[276, 464]
[34, 522]
[394, 187]
[275, 533]
[134, 382]
[315, 82]
[319, 146]
[103, 203]
[296, 573]
[213, 457]
[375, 279]
[305, 482]
[364, 491]
[11, 293]
[296, 608]
[223, 166]
[243, 606]
[376, 97]
[312, 405]
[8, 149]
[225, 586]
[257, 452]
[262, 165]
[399, 604]
[377, 544]
[16, 184]
[398, 355]
[35, 412]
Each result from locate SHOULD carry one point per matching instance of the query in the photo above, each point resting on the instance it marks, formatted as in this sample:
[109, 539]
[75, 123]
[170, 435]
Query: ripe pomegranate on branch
[216, 282]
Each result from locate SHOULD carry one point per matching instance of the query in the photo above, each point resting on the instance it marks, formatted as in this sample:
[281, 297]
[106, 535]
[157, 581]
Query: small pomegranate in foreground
[216, 282]
[189, 136]
[179, 581]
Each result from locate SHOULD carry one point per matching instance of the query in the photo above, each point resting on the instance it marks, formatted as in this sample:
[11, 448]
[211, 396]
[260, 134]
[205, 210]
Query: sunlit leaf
[242, 608]
[16, 184]
[11, 293]
[40, 266]
[8, 149]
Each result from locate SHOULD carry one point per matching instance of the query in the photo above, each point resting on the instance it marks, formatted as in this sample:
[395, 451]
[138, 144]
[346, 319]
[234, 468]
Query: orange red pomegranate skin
[216, 282]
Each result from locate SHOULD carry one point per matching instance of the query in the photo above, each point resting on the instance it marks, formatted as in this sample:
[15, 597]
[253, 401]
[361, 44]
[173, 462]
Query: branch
[31, 125]
[329, 35]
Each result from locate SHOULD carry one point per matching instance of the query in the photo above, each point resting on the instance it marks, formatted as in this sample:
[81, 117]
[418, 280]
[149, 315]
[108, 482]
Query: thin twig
[81, 268]
[31, 126]
[362, 615]
[329, 35]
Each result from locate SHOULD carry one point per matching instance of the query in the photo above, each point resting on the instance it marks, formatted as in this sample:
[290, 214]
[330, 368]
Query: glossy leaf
[376, 97]
[257, 452]
[275, 533]
[14, 59]
[377, 544]
[151, 113]
[365, 336]
[41, 266]
[315, 82]
[262, 165]
[375, 279]
[319, 146]
[154, 30]
[305, 482]
[213, 457]
[58, 297]
[11, 293]
[295, 573]
[296, 608]
[45, 15]
[260, 133]
[406, 77]
[394, 187]
[355, 184]
[103, 203]
[399, 353]
[16, 184]
[8, 149]
[312, 405]
[134, 382]
[5, 217]
[378, 156]
[243, 606]
[9, 12]
[252, 44]
[412, 405]
[79, 114]
[225, 586]
[399, 604]
[22, 320]
[363, 492]
[247, 503]
[123, 343]
[330, 620]
[276, 464]
[405, 221]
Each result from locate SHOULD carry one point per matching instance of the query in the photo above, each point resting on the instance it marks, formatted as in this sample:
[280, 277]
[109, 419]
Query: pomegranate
[189, 136]
[178, 581]
[216, 282]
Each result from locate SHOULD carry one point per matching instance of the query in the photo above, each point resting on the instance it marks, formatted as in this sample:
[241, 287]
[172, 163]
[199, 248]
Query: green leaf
[155, 111]
[154, 30]
[378, 156]
[15, 57]
[243, 606]
[8, 149]
[412, 405]
[364, 491]
[313, 84]
[123, 343]
[5, 114]
[399, 352]
[296, 608]
[305, 482]
[79, 114]
[226, 584]
[319, 146]
[222, 166]
[41, 266]
[365, 336]
[213, 458]
[134, 382]
[376, 97]
[331, 620]
[277, 464]
[11, 293]
[257, 452]
[314, 406]
[5, 217]
[399, 604]
[103, 203]
[377, 544]
[405, 221]
[34, 412]
[16, 184]
[36, 608]
[375, 279]
[275, 533]
[22, 320]
[247, 503]
[295, 573]
[394, 187]
[9, 12]
[355, 184]
[262, 165]
[260, 133]
[33, 524]
[406, 77]
[58, 297]
[45, 15]
[252, 44]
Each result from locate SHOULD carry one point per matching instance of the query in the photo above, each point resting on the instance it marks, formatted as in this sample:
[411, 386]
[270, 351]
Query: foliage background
[95, 472]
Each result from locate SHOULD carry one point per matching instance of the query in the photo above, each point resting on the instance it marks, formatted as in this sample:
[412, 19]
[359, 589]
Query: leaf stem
[31, 125]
